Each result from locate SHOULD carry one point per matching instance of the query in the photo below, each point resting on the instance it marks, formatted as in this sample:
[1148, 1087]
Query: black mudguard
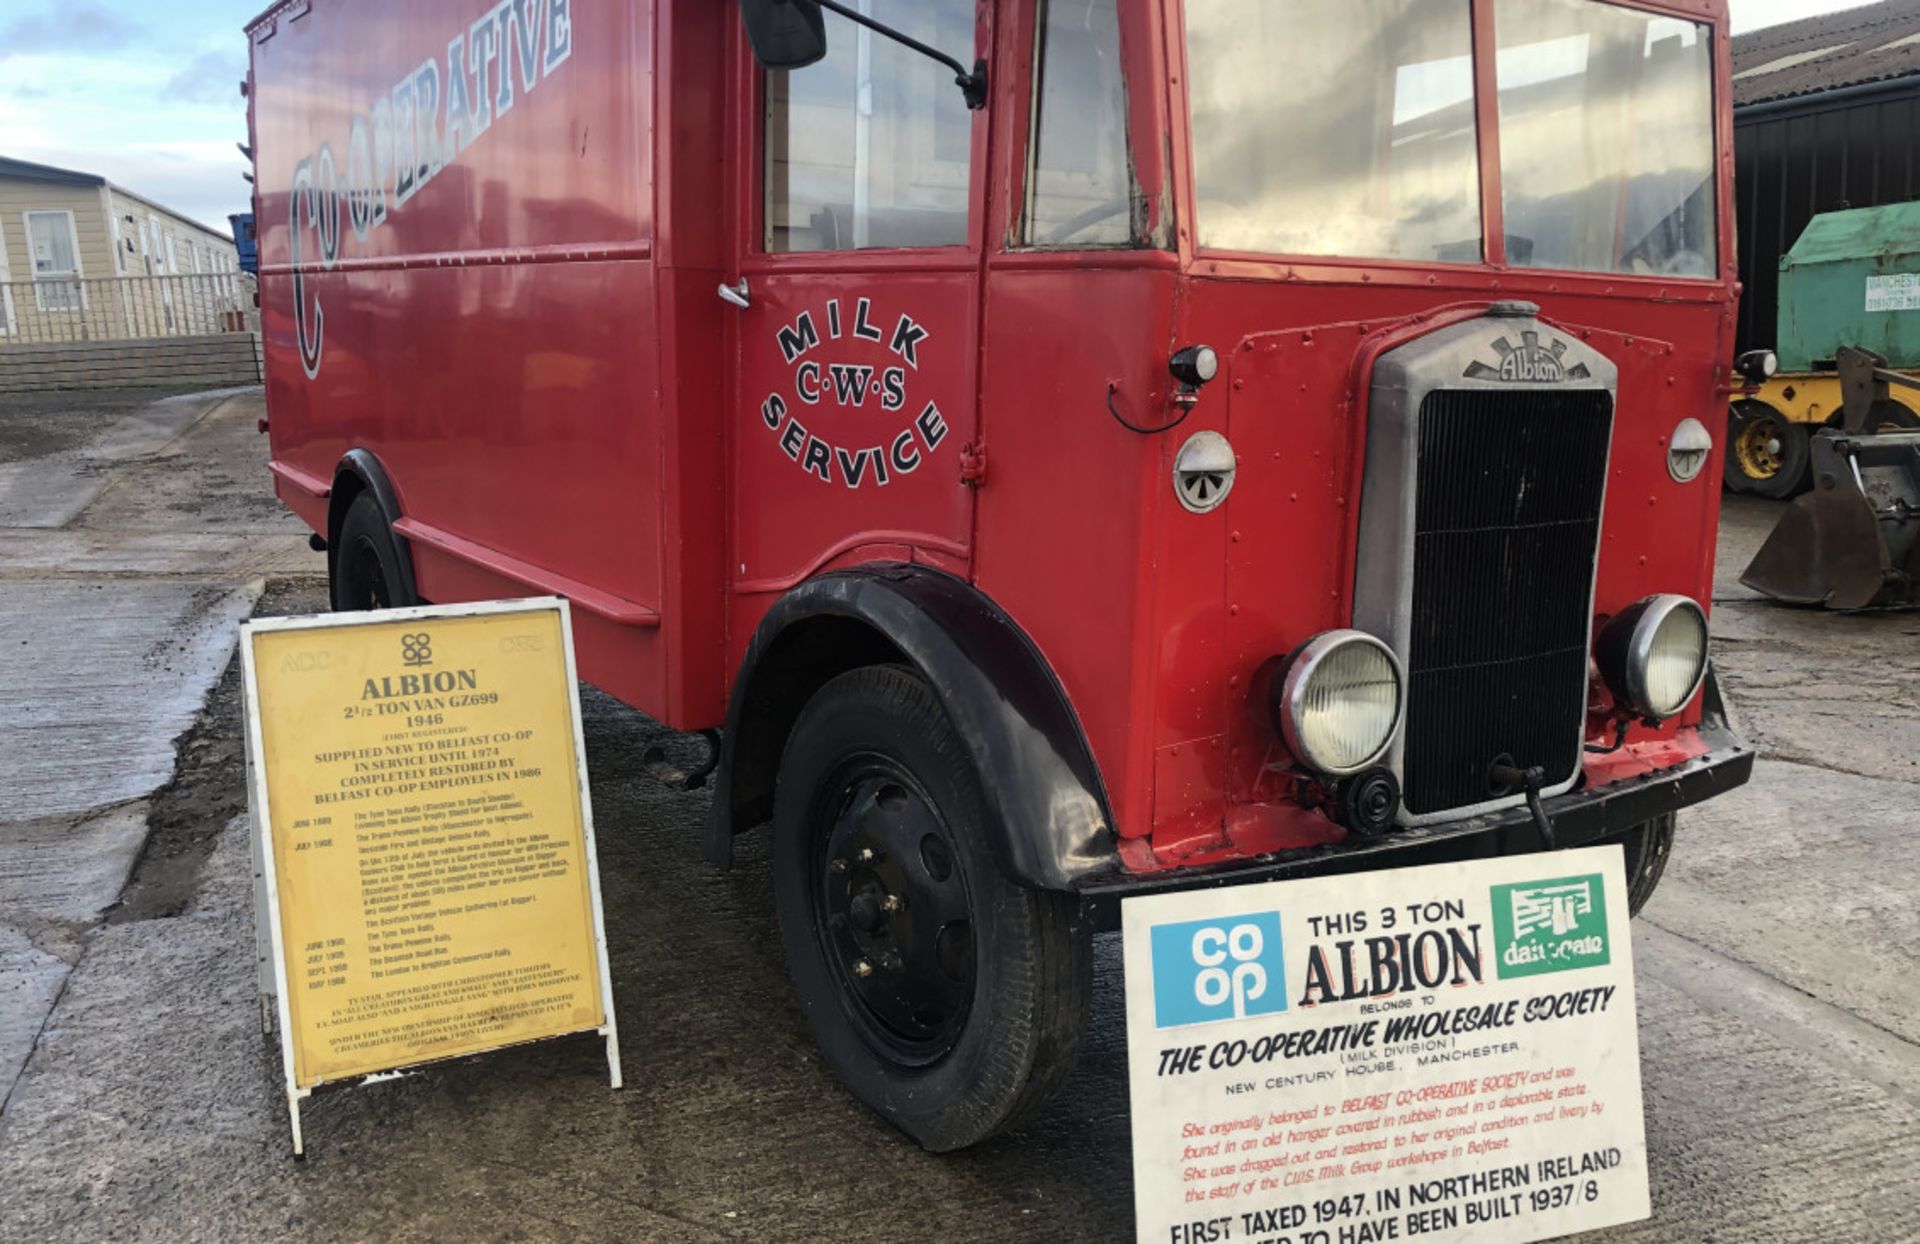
[1052, 825]
[361, 466]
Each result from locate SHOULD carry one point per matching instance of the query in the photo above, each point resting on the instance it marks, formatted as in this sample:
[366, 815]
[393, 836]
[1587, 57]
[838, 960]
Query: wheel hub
[895, 912]
[1759, 448]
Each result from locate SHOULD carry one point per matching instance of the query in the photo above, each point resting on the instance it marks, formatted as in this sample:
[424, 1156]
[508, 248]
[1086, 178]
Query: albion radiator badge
[1528, 363]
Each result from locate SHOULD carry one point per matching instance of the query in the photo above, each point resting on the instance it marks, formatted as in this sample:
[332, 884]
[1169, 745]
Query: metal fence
[65, 309]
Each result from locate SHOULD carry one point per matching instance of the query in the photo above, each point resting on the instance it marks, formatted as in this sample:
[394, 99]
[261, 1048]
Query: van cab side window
[872, 146]
[1079, 183]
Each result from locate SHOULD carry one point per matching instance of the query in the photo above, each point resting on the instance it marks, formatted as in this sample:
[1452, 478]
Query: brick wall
[219, 361]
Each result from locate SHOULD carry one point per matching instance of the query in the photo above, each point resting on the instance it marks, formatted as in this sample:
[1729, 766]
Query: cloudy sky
[146, 92]
[1753, 14]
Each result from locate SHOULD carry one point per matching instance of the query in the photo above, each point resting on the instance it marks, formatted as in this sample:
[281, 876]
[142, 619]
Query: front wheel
[948, 998]
[365, 571]
[1647, 846]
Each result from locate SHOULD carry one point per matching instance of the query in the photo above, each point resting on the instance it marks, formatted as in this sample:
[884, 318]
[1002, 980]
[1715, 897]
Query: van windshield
[1347, 128]
[1335, 127]
[1606, 138]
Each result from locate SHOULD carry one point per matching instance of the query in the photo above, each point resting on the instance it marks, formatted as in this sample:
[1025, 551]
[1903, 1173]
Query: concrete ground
[1777, 963]
[133, 538]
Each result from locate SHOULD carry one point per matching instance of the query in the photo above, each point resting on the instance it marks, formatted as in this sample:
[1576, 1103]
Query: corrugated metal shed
[1826, 117]
[1868, 44]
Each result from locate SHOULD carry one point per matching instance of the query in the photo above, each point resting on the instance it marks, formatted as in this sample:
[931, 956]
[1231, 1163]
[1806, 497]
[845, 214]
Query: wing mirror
[785, 34]
[792, 34]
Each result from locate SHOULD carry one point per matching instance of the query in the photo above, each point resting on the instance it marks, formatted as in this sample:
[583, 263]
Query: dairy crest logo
[1550, 926]
[1223, 968]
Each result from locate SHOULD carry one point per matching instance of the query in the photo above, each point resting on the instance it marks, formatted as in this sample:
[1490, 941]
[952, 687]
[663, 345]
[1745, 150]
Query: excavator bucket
[1854, 541]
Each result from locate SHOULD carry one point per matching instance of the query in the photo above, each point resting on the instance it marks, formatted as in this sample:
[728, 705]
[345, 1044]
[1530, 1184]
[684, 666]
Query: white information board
[1444, 1053]
[1899, 291]
[426, 881]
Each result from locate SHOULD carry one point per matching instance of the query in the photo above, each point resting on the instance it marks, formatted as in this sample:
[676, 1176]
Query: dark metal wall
[1793, 159]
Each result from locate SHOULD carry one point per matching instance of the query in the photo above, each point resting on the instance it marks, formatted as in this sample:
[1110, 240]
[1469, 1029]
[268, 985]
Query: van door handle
[739, 295]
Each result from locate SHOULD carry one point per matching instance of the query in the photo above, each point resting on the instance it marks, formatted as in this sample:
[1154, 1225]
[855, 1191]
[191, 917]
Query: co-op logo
[416, 649]
[1209, 970]
[862, 371]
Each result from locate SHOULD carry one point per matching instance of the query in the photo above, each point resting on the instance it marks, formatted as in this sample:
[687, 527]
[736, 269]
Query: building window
[871, 147]
[6, 288]
[56, 260]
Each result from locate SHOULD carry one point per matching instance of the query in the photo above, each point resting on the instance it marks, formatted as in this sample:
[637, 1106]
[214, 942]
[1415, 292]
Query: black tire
[366, 570]
[950, 1040]
[1732, 475]
[1770, 453]
[1647, 847]
[1893, 417]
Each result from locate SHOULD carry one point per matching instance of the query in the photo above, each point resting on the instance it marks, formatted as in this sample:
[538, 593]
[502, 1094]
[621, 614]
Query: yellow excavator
[1833, 420]
[1852, 541]
[1851, 280]
[1770, 434]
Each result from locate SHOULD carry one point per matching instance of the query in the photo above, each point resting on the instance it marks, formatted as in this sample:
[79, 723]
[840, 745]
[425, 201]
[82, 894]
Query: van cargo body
[1130, 455]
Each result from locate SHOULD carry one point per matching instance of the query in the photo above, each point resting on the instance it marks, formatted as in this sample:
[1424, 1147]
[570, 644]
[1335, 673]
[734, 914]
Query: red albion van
[1067, 448]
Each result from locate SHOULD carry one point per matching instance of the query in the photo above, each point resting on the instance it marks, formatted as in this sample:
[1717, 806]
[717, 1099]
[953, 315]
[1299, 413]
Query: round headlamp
[1194, 366]
[1653, 655]
[1757, 367]
[1339, 702]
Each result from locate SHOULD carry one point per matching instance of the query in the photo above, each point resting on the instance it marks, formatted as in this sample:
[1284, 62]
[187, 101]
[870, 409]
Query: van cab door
[859, 221]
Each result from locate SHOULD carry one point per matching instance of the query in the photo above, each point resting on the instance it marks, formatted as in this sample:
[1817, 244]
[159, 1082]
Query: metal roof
[1872, 43]
[22, 170]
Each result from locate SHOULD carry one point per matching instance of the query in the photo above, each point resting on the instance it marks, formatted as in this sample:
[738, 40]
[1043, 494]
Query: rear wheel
[365, 570]
[1647, 847]
[1893, 417]
[1767, 454]
[946, 996]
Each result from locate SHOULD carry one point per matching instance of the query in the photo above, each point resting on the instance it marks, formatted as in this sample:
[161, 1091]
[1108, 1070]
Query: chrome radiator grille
[1506, 520]
[1486, 468]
